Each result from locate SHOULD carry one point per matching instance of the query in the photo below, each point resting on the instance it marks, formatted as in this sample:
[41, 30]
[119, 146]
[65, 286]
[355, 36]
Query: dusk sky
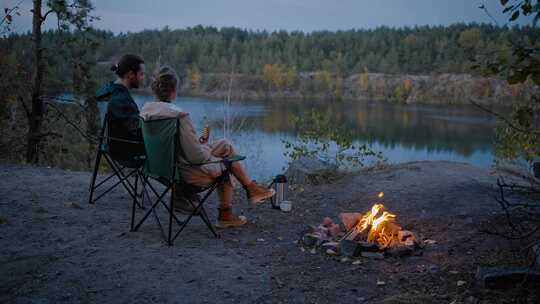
[306, 15]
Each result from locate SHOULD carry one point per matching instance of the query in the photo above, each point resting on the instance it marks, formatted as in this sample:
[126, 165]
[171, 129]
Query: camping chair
[122, 163]
[162, 143]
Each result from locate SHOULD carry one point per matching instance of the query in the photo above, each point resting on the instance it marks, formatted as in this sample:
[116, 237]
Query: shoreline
[437, 89]
[60, 249]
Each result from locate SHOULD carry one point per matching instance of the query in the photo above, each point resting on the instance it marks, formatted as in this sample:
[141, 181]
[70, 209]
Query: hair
[126, 64]
[165, 81]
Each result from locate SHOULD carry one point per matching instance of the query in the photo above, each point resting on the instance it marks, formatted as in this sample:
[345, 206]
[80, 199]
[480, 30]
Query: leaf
[506, 10]
[515, 15]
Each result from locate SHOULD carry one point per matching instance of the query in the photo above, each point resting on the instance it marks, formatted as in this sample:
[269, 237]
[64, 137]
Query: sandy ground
[56, 248]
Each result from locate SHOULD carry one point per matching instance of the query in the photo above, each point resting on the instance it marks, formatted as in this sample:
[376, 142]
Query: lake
[402, 133]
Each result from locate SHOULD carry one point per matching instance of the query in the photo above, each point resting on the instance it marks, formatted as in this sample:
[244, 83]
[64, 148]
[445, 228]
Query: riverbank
[441, 89]
[58, 249]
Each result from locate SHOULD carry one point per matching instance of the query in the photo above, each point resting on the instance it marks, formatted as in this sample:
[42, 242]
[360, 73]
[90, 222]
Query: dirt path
[55, 248]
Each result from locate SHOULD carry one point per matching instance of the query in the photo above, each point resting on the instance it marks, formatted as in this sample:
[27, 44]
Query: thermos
[280, 186]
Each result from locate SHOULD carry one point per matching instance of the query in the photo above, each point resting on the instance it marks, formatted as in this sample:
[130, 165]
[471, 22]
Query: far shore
[436, 89]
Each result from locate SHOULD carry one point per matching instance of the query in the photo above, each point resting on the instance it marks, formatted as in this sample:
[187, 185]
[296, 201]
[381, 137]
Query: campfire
[372, 234]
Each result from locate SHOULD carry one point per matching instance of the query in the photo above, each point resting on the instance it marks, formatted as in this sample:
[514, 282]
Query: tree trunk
[92, 127]
[36, 113]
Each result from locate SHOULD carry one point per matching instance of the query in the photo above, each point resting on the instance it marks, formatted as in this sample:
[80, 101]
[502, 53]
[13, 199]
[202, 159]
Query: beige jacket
[195, 153]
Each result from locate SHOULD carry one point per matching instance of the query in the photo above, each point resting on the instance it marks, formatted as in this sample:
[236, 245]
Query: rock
[430, 242]
[400, 250]
[350, 248]
[368, 247]
[506, 278]
[349, 219]
[331, 245]
[460, 283]
[311, 240]
[331, 252]
[409, 243]
[309, 170]
[327, 222]
[381, 283]
[334, 230]
[357, 262]
[373, 255]
[406, 234]
[323, 232]
[345, 260]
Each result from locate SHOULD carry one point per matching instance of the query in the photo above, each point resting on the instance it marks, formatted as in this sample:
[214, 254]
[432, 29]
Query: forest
[198, 50]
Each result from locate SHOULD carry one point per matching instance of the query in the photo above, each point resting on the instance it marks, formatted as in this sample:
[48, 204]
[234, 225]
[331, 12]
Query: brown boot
[257, 193]
[226, 219]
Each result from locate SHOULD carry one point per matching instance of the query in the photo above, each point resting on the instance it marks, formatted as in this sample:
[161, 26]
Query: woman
[196, 150]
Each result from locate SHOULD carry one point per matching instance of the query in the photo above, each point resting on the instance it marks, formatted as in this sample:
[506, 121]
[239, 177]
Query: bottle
[206, 131]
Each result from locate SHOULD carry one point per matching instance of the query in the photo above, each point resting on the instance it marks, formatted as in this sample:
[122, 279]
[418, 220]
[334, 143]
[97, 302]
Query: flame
[367, 220]
[380, 195]
[376, 222]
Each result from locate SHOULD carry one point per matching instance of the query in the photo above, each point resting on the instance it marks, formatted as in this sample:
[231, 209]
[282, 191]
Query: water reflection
[403, 133]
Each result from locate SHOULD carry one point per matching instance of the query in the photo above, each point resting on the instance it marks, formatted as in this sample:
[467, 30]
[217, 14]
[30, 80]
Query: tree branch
[11, 10]
[44, 17]
[53, 134]
[504, 119]
[25, 107]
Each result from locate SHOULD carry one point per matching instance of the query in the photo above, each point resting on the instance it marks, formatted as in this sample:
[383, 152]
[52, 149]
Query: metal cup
[285, 206]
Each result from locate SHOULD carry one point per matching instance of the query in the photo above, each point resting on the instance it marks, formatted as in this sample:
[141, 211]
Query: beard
[135, 84]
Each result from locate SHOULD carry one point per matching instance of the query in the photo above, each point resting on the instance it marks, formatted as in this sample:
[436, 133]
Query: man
[122, 111]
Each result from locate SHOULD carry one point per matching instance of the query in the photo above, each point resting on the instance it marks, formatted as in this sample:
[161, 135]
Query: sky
[304, 15]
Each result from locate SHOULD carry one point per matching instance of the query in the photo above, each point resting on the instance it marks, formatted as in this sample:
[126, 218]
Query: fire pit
[373, 234]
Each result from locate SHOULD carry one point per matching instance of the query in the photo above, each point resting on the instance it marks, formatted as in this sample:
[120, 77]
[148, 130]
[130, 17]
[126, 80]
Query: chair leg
[206, 220]
[197, 209]
[171, 210]
[134, 203]
[94, 175]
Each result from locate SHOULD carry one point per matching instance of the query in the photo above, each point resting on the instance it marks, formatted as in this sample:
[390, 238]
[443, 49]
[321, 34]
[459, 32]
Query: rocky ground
[56, 248]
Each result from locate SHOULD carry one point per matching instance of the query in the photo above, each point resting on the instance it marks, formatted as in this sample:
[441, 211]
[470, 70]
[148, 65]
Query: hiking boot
[226, 219]
[257, 193]
[182, 204]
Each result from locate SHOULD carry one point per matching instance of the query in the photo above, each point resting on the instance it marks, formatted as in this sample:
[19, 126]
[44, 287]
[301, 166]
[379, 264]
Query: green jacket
[123, 117]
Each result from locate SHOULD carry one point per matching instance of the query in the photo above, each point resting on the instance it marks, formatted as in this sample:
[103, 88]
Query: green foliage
[319, 136]
[518, 136]
[470, 38]
[417, 50]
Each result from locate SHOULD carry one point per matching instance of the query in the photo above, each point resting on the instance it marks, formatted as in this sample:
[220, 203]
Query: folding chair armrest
[231, 159]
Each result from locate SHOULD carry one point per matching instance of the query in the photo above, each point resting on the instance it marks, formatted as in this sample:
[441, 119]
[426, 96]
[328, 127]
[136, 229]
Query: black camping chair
[123, 163]
[162, 145]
